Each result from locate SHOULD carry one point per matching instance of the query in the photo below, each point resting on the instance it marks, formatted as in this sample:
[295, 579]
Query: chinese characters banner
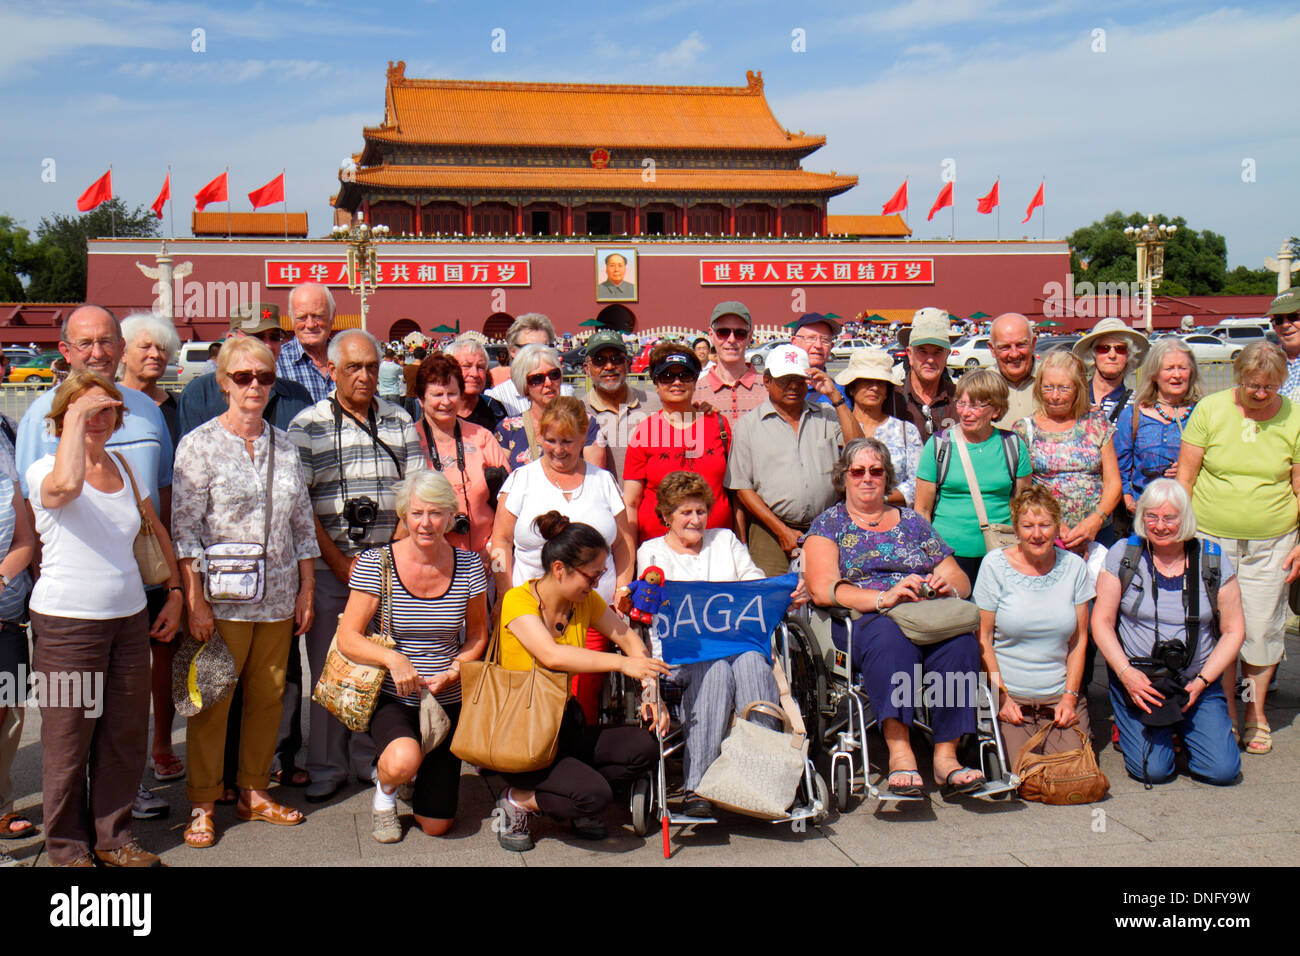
[816, 271]
[421, 272]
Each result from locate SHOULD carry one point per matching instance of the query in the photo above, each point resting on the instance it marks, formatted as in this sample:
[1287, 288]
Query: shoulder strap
[1192, 598]
[1128, 564]
[1011, 451]
[139, 503]
[1134, 440]
[1119, 404]
[270, 477]
[7, 427]
[534, 450]
[1212, 574]
[942, 456]
[976, 497]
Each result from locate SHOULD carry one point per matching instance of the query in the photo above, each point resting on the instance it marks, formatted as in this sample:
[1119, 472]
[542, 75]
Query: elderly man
[305, 360]
[1111, 348]
[615, 285]
[203, 400]
[732, 386]
[1011, 339]
[781, 460]
[815, 334]
[355, 447]
[475, 404]
[928, 396]
[532, 328]
[617, 407]
[1285, 310]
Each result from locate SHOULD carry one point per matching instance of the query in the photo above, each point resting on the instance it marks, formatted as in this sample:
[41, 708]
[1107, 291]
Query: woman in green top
[945, 500]
[1240, 461]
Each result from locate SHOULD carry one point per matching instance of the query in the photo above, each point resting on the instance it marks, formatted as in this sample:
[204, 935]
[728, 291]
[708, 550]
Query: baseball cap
[737, 309]
[1286, 303]
[930, 327]
[812, 318]
[255, 317]
[787, 360]
[683, 357]
[604, 339]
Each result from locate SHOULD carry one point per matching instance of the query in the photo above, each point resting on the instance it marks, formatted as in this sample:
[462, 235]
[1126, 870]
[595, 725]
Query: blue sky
[1172, 107]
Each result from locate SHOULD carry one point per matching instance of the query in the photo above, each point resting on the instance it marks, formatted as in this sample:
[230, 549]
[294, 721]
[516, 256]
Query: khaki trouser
[261, 651]
[766, 550]
[1057, 741]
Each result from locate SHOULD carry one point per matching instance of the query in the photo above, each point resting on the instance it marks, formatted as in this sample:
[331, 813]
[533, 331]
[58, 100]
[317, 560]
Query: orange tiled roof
[692, 181]
[869, 225]
[465, 112]
[247, 224]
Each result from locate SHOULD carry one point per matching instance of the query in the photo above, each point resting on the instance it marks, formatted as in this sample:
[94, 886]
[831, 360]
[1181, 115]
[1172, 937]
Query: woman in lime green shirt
[1240, 461]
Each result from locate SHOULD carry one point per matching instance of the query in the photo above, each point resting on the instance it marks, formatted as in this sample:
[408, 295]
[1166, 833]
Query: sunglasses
[858, 472]
[1292, 317]
[1120, 349]
[245, 379]
[614, 359]
[554, 375]
[676, 375]
[729, 333]
[272, 335]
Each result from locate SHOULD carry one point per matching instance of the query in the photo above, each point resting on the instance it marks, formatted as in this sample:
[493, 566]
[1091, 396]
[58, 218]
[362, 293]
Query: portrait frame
[630, 273]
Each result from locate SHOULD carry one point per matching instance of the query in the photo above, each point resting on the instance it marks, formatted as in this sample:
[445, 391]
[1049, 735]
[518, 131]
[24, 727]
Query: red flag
[1035, 202]
[100, 191]
[163, 196]
[945, 199]
[214, 191]
[897, 203]
[272, 192]
[986, 203]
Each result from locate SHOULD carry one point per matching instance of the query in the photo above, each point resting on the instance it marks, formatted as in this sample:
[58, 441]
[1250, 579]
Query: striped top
[426, 630]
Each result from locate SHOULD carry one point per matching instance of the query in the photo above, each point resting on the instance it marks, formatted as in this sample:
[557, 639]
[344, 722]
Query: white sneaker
[148, 807]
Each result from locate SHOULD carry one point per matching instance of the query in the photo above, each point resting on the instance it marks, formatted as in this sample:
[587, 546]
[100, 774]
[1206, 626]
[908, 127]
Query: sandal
[167, 768]
[906, 790]
[1258, 739]
[9, 832]
[276, 813]
[200, 834]
[291, 777]
[948, 787]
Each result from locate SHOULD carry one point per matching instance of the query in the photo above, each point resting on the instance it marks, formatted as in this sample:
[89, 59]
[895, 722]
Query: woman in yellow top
[546, 619]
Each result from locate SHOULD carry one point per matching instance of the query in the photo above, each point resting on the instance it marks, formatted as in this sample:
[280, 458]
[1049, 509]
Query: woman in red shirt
[675, 438]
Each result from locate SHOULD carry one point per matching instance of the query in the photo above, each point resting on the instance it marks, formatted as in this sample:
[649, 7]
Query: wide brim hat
[1112, 326]
[203, 673]
[869, 363]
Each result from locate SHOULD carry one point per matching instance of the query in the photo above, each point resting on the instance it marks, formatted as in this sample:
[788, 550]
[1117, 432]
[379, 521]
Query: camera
[1172, 654]
[461, 524]
[927, 591]
[360, 514]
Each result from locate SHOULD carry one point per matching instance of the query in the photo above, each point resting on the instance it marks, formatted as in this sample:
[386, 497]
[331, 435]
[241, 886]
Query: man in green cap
[617, 407]
[1285, 312]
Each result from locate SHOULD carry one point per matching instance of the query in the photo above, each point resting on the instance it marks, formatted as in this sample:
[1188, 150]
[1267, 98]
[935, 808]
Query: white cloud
[209, 71]
[683, 55]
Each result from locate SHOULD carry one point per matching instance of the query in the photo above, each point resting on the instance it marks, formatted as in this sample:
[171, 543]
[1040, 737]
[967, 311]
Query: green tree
[18, 255]
[1244, 281]
[60, 272]
[1196, 263]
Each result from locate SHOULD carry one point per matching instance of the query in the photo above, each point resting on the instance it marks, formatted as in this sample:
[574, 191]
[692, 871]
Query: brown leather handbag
[509, 720]
[1068, 777]
[146, 546]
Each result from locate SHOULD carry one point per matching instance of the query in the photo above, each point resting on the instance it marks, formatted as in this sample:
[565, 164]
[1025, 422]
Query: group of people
[518, 515]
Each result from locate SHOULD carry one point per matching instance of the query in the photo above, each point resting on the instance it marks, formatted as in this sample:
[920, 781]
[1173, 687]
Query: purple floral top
[880, 559]
[1068, 463]
[513, 437]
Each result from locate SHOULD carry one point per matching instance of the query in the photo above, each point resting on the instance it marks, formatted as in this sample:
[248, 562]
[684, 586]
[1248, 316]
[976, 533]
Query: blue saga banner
[705, 621]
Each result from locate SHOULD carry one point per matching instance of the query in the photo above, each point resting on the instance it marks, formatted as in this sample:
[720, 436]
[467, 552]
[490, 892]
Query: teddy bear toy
[647, 595]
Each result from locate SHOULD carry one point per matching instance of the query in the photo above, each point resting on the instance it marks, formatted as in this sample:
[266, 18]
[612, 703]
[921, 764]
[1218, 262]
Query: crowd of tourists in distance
[457, 506]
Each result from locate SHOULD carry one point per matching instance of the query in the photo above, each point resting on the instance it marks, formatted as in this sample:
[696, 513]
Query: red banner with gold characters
[404, 272]
[817, 271]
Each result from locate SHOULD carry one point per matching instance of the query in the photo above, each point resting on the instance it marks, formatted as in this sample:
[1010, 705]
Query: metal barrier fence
[15, 399]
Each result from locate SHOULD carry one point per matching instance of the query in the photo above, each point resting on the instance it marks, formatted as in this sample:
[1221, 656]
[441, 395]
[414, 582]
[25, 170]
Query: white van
[1241, 332]
[192, 358]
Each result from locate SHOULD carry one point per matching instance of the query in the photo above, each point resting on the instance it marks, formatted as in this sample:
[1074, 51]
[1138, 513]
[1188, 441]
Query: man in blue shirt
[305, 360]
[814, 333]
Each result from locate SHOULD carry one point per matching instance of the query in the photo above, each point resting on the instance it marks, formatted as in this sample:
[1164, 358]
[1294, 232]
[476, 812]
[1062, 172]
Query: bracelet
[455, 665]
[1073, 693]
[880, 596]
[840, 404]
[1202, 678]
[175, 587]
[1123, 669]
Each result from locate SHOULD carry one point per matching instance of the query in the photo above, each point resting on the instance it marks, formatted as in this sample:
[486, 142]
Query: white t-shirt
[529, 493]
[88, 568]
[722, 558]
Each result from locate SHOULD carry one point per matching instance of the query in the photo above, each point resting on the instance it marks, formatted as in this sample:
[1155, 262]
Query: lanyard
[436, 458]
[371, 428]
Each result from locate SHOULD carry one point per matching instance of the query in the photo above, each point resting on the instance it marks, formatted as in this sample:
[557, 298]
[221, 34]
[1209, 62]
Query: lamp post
[1150, 240]
[363, 257]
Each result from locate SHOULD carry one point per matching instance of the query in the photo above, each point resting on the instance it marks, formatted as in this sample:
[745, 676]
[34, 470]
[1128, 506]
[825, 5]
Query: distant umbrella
[1049, 324]
[594, 323]
[979, 315]
[443, 329]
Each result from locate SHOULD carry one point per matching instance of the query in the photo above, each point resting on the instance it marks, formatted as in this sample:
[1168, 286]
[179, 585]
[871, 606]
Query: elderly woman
[1240, 461]
[152, 345]
[17, 547]
[674, 438]
[88, 615]
[1110, 349]
[223, 470]
[1149, 433]
[459, 449]
[1033, 600]
[1073, 450]
[869, 381]
[537, 373]
[560, 480]
[546, 620]
[999, 463]
[439, 593]
[867, 555]
[475, 406]
[713, 690]
[1134, 627]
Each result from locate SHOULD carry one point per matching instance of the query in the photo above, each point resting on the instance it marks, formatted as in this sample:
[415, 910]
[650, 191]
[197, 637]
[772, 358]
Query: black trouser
[589, 759]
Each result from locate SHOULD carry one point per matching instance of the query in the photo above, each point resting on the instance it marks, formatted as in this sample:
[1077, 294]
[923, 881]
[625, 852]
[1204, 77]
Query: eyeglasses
[727, 332]
[1162, 521]
[672, 375]
[592, 579]
[1117, 348]
[245, 379]
[858, 472]
[813, 337]
[1260, 387]
[611, 359]
[554, 375]
[973, 406]
[85, 346]
[271, 336]
[1057, 389]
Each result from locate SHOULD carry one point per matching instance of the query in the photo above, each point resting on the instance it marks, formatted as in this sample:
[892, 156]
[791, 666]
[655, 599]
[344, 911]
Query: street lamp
[363, 257]
[1150, 240]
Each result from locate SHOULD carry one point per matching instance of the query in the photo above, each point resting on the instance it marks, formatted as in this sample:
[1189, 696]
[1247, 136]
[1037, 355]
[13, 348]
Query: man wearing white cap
[781, 459]
[1111, 349]
[928, 396]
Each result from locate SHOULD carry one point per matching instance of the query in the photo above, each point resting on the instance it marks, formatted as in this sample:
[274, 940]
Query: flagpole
[285, 201]
[171, 213]
[954, 211]
[998, 181]
[227, 202]
[1042, 215]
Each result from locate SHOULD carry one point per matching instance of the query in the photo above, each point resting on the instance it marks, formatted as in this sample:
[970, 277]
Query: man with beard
[617, 407]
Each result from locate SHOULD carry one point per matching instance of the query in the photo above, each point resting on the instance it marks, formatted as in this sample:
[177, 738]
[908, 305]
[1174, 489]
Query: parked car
[971, 351]
[573, 360]
[641, 361]
[845, 348]
[30, 370]
[1241, 332]
[192, 358]
[1046, 343]
[758, 355]
[1208, 348]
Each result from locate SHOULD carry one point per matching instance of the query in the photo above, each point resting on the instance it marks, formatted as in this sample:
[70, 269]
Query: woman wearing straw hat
[869, 381]
[1109, 351]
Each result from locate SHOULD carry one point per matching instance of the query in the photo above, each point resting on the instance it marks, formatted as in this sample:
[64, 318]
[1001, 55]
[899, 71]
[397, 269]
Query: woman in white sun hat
[869, 380]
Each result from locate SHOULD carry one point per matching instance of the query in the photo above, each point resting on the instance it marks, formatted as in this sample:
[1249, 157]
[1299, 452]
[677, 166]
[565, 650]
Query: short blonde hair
[235, 346]
[1035, 498]
[1260, 357]
[429, 486]
[1070, 363]
[567, 415]
[78, 382]
[985, 386]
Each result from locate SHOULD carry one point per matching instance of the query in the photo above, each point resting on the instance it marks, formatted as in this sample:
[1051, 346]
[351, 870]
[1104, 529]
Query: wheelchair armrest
[838, 613]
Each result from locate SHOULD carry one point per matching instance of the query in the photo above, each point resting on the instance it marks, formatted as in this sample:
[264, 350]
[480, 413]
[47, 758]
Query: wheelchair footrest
[992, 788]
[682, 820]
[885, 795]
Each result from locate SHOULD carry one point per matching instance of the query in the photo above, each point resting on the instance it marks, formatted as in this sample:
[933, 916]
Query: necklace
[560, 625]
[1170, 419]
[230, 427]
[570, 494]
[862, 515]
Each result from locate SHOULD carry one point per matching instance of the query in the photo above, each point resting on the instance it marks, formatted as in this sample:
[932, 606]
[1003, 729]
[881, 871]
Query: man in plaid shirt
[305, 358]
[354, 447]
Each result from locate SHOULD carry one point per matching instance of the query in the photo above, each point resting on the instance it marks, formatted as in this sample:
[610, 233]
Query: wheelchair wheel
[824, 797]
[640, 806]
[807, 685]
[843, 786]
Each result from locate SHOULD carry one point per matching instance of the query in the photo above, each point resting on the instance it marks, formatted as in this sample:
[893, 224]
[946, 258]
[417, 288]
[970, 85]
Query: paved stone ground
[1183, 823]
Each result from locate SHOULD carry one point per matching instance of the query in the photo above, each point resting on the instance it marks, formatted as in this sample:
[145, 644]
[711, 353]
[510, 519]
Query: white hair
[161, 332]
[329, 296]
[1166, 491]
[429, 486]
[529, 322]
[466, 343]
[526, 362]
[335, 350]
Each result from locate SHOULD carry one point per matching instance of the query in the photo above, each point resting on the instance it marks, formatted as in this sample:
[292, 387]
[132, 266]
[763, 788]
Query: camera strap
[370, 427]
[1191, 594]
[436, 460]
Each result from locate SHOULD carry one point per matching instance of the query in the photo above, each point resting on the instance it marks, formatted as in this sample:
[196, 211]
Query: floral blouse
[904, 444]
[880, 559]
[219, 497]
[1068, 463]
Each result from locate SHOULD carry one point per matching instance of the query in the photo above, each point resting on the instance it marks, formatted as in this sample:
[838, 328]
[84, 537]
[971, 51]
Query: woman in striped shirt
[438, 620]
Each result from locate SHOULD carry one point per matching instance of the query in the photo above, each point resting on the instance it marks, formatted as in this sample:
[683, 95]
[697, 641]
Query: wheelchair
[840, 713]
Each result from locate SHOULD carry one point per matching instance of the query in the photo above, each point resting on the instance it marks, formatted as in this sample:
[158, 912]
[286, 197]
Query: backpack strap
[942, 456]
[1124, 394]
[1011, 452]
[1128, 565]
[1192, 598]
[1212, 575]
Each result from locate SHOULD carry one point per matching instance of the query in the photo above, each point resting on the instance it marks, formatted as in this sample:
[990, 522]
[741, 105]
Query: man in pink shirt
[732, 386]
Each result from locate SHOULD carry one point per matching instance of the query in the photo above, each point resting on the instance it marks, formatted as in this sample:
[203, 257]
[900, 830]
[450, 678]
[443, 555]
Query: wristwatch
[4, 582]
